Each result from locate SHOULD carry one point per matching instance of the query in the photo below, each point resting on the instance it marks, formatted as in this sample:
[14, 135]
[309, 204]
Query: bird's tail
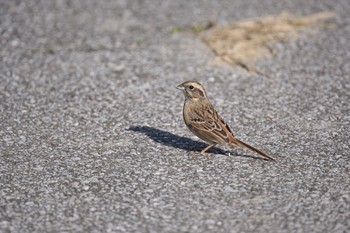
[249, 147]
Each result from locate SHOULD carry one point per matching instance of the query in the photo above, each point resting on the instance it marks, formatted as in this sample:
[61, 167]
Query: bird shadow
[184, 143]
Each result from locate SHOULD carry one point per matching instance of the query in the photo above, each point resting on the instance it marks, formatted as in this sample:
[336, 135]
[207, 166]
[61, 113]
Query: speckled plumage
[202, 119]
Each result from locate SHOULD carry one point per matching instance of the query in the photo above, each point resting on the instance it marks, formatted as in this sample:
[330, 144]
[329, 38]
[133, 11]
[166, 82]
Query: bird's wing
[208, 122]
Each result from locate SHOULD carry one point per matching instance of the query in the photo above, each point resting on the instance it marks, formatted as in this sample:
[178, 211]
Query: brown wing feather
[208, 125]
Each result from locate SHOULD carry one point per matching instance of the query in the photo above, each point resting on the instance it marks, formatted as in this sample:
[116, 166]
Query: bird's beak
[180, 87]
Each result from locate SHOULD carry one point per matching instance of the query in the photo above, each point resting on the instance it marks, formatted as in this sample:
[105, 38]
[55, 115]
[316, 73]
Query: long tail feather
[245, 145]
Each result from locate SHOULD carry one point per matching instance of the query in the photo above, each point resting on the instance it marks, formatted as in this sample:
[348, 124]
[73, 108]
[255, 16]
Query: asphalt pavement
[92, 137]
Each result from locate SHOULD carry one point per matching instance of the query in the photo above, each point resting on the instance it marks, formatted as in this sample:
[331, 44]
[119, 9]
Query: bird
[203, 121]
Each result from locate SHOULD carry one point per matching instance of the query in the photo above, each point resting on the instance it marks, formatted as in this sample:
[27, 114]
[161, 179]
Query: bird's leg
[207, 148]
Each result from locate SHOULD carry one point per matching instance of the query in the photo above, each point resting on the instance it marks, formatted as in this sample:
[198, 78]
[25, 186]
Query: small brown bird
[202, 119]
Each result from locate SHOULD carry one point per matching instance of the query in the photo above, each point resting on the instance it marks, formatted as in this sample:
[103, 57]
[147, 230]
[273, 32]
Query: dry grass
[243, 42]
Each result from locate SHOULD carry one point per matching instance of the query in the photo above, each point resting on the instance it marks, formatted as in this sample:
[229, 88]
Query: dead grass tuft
[243, 42]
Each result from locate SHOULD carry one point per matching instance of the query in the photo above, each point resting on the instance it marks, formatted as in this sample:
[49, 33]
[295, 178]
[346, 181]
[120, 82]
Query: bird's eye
[191, 87]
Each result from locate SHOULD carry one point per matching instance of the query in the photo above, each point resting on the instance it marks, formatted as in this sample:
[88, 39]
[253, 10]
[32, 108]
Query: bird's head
[193, 90]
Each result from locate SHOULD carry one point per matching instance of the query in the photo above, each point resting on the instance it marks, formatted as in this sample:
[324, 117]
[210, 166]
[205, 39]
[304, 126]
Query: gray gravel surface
[91, 131]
